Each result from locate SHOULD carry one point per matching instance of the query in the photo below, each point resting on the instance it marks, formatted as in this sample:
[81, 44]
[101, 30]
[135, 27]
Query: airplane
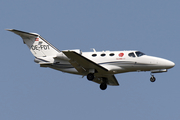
[99, 67]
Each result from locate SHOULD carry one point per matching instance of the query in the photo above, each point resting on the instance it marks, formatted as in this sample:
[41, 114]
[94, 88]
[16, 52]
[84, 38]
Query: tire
[152, 79]
[103, 86]
[90, 76]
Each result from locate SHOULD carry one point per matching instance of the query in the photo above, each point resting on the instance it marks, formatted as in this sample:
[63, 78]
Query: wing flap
[110, 80]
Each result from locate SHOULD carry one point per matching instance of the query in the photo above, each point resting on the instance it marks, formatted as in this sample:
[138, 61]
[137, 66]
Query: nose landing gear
[152, 79]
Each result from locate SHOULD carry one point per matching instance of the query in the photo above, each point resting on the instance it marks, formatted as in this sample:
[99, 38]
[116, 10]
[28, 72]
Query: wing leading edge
[84, 65]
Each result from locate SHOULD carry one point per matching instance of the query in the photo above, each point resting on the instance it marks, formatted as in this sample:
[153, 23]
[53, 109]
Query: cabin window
[103, 55]
[112, 54]
[131, 54]
[94, 55]
[139, 54]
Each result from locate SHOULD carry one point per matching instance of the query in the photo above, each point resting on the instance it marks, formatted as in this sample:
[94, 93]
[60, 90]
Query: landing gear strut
[103, 85]
[152, 79]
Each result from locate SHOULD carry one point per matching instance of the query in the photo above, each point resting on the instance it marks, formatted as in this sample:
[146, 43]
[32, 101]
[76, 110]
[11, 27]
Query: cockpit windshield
[139, 54]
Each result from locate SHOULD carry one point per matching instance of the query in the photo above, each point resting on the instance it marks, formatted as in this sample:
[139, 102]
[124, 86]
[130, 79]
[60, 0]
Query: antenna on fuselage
[93, 49]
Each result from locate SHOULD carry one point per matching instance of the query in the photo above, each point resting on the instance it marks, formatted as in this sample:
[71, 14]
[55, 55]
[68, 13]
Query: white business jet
[99, 67]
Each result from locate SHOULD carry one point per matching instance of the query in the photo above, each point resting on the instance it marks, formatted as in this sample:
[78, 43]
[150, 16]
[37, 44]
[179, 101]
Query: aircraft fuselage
[99, 67]
[119, 62]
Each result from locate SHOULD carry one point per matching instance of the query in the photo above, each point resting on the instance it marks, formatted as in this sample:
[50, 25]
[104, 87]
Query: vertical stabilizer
[38, 46]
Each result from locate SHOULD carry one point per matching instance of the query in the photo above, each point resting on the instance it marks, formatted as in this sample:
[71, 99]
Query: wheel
[90, 76]
[152, 79]
[103, 86]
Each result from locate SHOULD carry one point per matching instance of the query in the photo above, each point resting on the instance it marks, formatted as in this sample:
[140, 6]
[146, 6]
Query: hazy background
[28, 92]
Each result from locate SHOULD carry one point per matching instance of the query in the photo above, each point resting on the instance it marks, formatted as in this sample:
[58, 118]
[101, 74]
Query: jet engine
[62, 56]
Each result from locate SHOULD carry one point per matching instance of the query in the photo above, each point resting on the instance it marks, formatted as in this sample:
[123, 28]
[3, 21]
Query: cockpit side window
[131, 54]
[139, 54]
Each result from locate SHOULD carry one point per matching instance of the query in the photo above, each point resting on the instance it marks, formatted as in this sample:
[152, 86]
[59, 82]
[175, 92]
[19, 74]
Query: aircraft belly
[146, 67]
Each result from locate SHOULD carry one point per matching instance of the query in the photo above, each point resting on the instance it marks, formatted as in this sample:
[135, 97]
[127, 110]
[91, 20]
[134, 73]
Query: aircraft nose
[171, 64]
[168, 63]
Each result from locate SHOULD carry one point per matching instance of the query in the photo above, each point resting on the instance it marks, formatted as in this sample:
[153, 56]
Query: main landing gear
[90, 76]
[102, 86]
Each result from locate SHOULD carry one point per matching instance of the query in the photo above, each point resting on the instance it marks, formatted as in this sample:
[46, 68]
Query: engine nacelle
[62, 56]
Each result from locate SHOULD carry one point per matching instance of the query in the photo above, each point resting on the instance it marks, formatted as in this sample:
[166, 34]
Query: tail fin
[38, 46]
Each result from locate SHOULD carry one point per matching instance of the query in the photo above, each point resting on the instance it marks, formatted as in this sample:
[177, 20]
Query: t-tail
[38, 46]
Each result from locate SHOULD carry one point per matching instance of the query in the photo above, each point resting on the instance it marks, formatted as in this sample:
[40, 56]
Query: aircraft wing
[83, 65]
[79, 61]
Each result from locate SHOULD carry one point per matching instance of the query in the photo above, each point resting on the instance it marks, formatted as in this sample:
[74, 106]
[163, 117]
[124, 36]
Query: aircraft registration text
[40, 47]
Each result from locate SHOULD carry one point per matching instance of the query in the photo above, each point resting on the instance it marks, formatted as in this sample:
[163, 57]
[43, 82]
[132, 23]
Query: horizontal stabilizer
[22, 33]
[45, 63]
